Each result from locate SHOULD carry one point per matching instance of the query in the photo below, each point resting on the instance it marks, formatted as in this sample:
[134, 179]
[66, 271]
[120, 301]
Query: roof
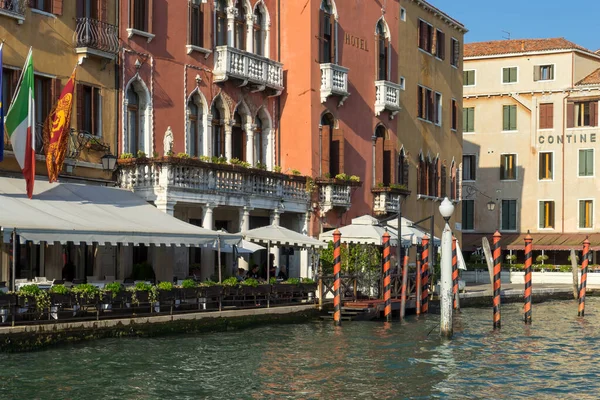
[442, 15]
[541, 241]
[519, 46]
[279, 236]
[365, 230]
[69, 212]
[591, 79]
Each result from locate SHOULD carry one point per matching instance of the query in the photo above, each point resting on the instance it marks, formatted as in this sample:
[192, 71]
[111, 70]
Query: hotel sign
[355, 41]
[570, 138]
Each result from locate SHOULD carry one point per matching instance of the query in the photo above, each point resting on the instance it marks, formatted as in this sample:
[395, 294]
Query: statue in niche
[168, 142]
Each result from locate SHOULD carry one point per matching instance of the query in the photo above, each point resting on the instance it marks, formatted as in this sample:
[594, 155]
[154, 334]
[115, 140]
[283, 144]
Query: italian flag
[20, 124]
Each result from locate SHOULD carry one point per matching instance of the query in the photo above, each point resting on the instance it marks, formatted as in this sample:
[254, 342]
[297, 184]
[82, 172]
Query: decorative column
[208, 254]
[275, 250]
[250, 143]
[208, 136]
[303, 223]
[245, 218]
[166, 206]
[250, 31]
[266, 38]
[231, 14]
[270, 150]
[228, 141]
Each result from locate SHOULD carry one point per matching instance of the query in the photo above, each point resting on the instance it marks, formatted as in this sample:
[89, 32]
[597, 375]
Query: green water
[556, 357]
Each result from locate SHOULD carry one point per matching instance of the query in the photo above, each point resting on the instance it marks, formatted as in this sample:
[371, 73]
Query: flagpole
[20, 77]
[14, 258]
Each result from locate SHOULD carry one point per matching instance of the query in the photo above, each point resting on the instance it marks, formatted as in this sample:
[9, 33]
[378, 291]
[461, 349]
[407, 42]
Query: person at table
[253, 273]
[68, 272]
[282, 273]
[241, 274]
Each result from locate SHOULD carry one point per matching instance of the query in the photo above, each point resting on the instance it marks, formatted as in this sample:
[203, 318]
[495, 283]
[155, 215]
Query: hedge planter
[189, 293]
[142, 296]
[309, 287]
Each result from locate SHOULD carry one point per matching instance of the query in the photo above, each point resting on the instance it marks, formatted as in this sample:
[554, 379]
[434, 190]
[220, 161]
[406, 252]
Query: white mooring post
[446, 303]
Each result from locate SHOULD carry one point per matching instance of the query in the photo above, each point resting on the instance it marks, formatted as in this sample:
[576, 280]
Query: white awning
[365, 230]
[68, 212]
[280, 236]
[411, 232]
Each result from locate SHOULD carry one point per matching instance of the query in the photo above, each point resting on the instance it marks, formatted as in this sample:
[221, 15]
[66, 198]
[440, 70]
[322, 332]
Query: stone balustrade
[334, 81]
[387, 97]
[334, 193]
[386, 200]
[251, 68]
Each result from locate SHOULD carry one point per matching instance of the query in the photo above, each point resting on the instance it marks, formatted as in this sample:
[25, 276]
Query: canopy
[364, 230]
[280, 236]
[245, 247]
[68, 212]
[413, 233]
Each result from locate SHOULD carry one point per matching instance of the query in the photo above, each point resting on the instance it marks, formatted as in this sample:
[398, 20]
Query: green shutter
[505, 75]
[541, 213]
[513, 214]
[513, 118]
[471, 114]
[505, 118]
[589, 162]
[582, 213]
[582, 163]
[505, 221]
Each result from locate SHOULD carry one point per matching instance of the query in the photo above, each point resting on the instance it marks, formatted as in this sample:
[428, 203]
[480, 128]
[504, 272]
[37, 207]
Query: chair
[58, 282]
[40, 279]
[109, 278]
[78, 281]
[92, 278]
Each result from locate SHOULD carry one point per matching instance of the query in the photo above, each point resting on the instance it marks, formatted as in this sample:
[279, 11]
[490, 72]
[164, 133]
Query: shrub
[126, 156]
[155, 154]
[511, 258]
[240, 163]
[188, 284]
[295, 172]
[398, 186]
[272, 280]
[342, 177]
[307, 280]
[250, 282]
[114, 287]
[60, 289]
[86, 291]
[164, 286]
[232, 281]
[354, 178]
[277, 168]
[261, 166]
[293, 281]
[143, 287]
[205, 158]
[541, 258]
[140, 154]
[209, 283]
[183, 155]
[29, 290]
[327, 175]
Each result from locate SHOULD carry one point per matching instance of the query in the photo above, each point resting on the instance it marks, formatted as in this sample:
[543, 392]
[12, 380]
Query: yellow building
[530, 138]
[63, 34]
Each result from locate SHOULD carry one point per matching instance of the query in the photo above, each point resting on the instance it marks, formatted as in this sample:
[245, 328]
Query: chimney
[522, 45]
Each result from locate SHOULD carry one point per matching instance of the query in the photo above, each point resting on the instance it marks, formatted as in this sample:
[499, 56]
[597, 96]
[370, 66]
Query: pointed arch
[403, 167]
[218, 119]
[328, 29]
[196, 124]
[329, 7]
[264, 139]
[137, 117]
[261, 29]
[381, 22]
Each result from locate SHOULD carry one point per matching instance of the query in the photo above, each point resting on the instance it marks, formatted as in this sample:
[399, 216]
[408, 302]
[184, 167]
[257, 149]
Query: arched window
[238, 138]
[259, 155]
[422, 175]
[382, 52]
[432, 179]
[403, 169]
[194, 122]
[327, 33]
[332, 147]
[443, 179]
[133, 121]
[453, 181]
[384, 149]
[221, 20]
[259, 39]
[218, 132]
[239, 30]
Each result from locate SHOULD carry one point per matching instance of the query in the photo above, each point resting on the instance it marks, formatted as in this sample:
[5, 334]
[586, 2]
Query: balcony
[386, 199]
[194, 181]
[387, 97]
[13, 9]
[334, 82]
[257, 71]
[95, 38]
[335, 193]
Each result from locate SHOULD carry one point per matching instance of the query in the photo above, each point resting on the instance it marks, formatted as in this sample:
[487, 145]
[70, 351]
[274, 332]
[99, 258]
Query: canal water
[556, 357]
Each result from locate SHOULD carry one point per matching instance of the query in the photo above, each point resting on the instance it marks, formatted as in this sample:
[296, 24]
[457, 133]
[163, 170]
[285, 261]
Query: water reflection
[553, 358]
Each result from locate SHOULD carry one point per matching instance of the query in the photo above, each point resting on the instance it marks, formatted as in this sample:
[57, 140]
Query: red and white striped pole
[454, 274]
[418, 286]
[403, 290]
[425, 276]
[584, 270]
[497, 253]
[527, 295]
[337, 265]
[387, 279]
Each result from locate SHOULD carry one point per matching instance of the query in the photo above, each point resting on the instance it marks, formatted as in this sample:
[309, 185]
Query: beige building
[530, 144]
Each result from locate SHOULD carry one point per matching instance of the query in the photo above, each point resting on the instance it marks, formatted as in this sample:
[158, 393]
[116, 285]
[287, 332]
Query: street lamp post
[446, 330]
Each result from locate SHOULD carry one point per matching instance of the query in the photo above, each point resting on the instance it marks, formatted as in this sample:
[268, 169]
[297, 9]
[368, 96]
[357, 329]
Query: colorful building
[530, 140]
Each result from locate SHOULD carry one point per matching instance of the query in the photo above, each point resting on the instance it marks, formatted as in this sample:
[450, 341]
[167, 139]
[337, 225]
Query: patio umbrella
[365, 230]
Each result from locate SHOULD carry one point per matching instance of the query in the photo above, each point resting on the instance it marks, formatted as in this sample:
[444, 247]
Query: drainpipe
[562, 178]
[116, 139]
[278, 137]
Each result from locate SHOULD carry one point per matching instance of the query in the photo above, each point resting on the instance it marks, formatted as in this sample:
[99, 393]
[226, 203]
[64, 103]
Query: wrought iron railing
[97, 35]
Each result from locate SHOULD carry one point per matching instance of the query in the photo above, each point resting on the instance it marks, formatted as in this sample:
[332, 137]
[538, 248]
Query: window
[42, 5]
[9, 83]
[403, 168]
[454, 114]
[468, 215]
[133, 121]
[43, 105]
[259, 38]
[546, 216]
[469, 119]
[430, 105]
[546, 116]
[140, 15]
[509, 215]
[87, 9]
[543, 72]
[239, 28]
[545, 164]
[89, 109]
[218, 133]
[469, 167]
[258, 141]
[384, 156]
[425, 36]
[402, 14]
[509, 75]
[586, 214]
[332, 147]
[327, 33]
[382, 58]
[440, 44]
[238, 138]
[508, 170]
[454, 52]
[221, 20]
[194, 121]
[196, 23]
[582, 113]
[586, 162]
[509, 118]
[469, 77]
[453, 181]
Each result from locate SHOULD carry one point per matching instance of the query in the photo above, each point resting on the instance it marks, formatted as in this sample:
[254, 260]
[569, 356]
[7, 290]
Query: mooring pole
[219, 258]
[424, 276]
[387, 289]
[584, 270]
[446, 322]
[527, 294]
[418, 287]
[575, 271]
[403, 289]
[456, 301]
[337, 265]
[14, 260]
[497, 268]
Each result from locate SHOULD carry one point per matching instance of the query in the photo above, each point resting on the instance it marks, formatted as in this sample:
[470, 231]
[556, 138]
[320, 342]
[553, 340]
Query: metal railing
[97, 35]
[13, 7]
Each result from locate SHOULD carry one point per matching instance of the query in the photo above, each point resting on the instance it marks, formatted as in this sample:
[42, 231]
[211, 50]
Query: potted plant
[163, 294]
[189, 289]
[7, 300]
[60, 295]
[111, 294]
[309, 287]
[140, 293]
[30, 296]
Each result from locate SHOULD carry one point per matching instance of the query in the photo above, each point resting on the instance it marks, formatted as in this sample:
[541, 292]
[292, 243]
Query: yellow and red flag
[56, 130]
